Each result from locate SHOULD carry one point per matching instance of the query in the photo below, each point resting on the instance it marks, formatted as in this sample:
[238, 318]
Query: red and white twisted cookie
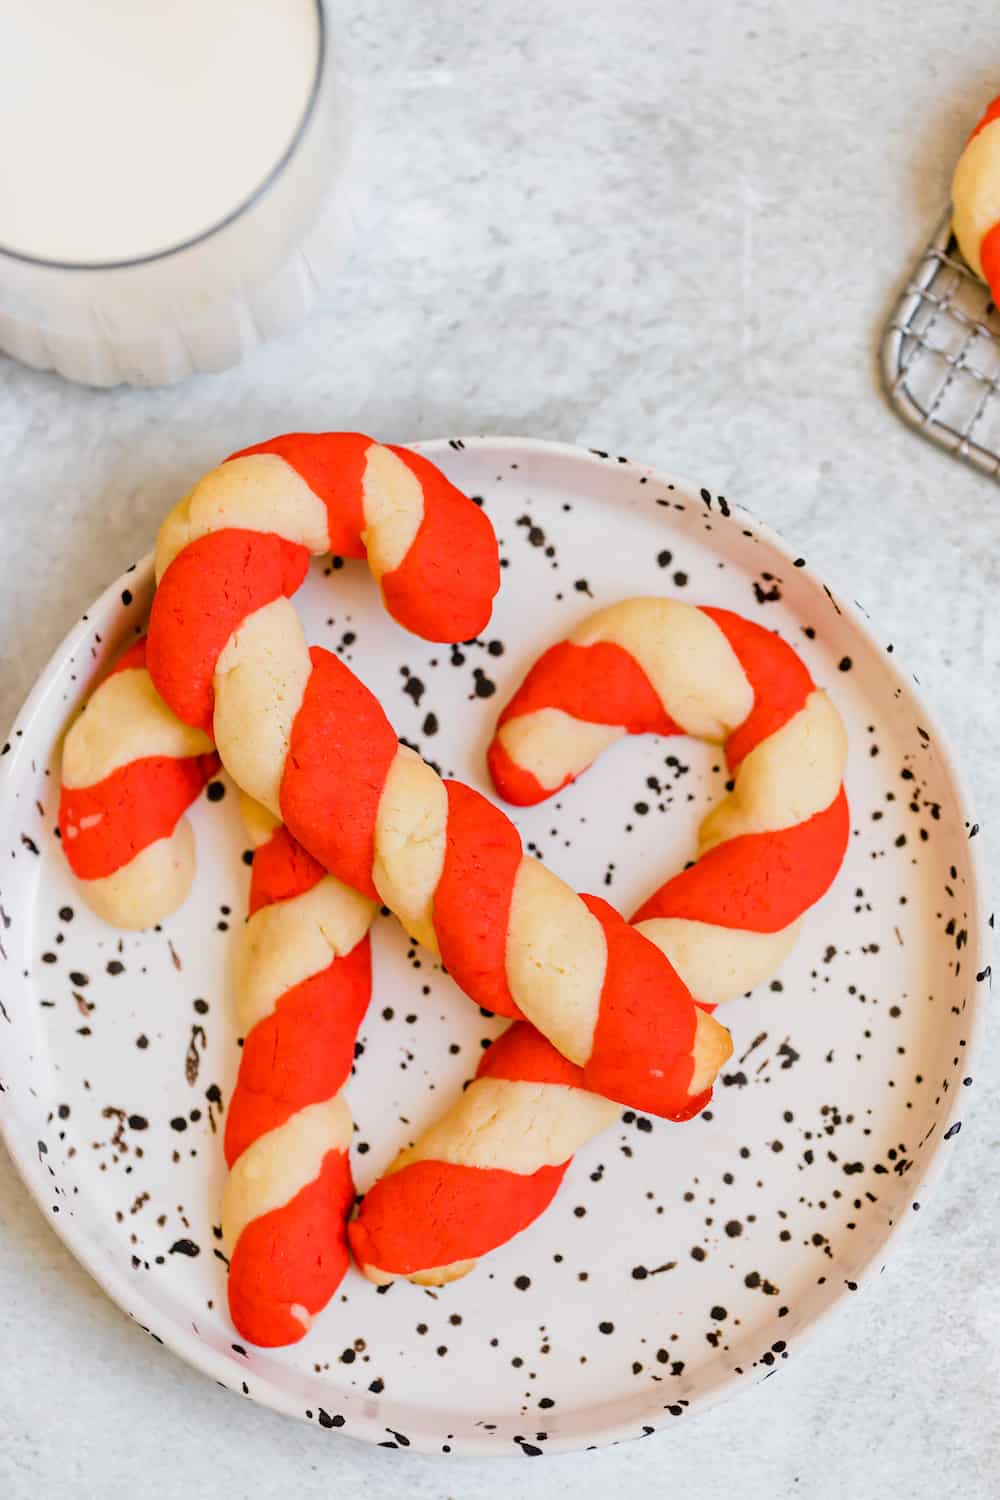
[303, 982]
[774, 844]
[485, 1170]
[975, 197]
[304, 737]
[226, 649]
[229, 555]
[130, 768]
[493, 1163]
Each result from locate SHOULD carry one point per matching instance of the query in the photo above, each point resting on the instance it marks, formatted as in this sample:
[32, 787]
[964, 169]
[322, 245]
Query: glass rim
[265, 184]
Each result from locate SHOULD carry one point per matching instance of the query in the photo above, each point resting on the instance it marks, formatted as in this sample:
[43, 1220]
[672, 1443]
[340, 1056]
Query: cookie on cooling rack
[975, 196]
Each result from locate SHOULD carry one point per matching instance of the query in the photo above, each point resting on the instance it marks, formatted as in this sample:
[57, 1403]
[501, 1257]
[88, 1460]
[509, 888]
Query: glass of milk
[173, 180]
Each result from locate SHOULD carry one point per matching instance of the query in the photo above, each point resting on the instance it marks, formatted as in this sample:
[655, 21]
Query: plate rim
[199, 1355]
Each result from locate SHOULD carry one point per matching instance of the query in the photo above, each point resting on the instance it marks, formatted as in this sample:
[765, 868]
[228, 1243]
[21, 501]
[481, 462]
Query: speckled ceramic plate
[677, 1263]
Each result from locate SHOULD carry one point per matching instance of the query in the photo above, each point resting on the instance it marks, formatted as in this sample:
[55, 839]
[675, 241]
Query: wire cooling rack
[941, 355]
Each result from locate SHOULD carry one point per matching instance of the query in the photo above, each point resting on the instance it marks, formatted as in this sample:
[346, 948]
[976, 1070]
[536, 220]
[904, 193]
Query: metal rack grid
[941, 355]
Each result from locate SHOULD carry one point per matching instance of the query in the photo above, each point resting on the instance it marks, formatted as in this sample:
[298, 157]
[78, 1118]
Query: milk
[161, 162]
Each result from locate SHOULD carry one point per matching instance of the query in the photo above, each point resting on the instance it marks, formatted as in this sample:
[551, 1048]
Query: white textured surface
[674, 231]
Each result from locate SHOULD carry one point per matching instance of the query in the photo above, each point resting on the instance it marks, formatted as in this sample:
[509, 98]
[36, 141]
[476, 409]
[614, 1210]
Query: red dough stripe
[444, 588]
[302, 1053]
[522, 1053]
[332, 465]
[281, 869]
[513, 783]
[106, 825]
[134, 657]
[760, 882]
[433, 1213]
[779, 678]
[339, 754]
[295, 1255]
[472, 897]
[989, 256]
[602, 683]
[991, 113]
[645, 1026]
[204, 596]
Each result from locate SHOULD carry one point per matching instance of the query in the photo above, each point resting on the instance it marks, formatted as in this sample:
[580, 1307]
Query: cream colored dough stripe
[258, 822]
[281, 1163]
[290, 941]
[150, 886]
[260, 680]
[259, 492]
[712, 1046]
[410, 830]
[786, 779]
[393, 501]
[434, 1276]
[552, 745]
[556, 952]
[692, 667]
[518, 1126]
[719, 963]
[975, 193]
[125, 720]
[555, 959]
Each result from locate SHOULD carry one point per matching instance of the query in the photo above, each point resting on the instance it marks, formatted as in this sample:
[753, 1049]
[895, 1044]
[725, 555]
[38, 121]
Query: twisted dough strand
[484, 1171]
[303, 983]
[772, 847]
[492, 1164]
[130, 769]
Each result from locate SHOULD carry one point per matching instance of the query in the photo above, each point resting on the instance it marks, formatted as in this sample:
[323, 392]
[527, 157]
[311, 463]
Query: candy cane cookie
[484, 1171]
[303, 981]
[774, 844]
[130, 769]
[303, 736]
[233, 550]
[975, 198]
[226, 649]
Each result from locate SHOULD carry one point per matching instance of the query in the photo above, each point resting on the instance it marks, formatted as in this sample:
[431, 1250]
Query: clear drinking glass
[201, 304]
